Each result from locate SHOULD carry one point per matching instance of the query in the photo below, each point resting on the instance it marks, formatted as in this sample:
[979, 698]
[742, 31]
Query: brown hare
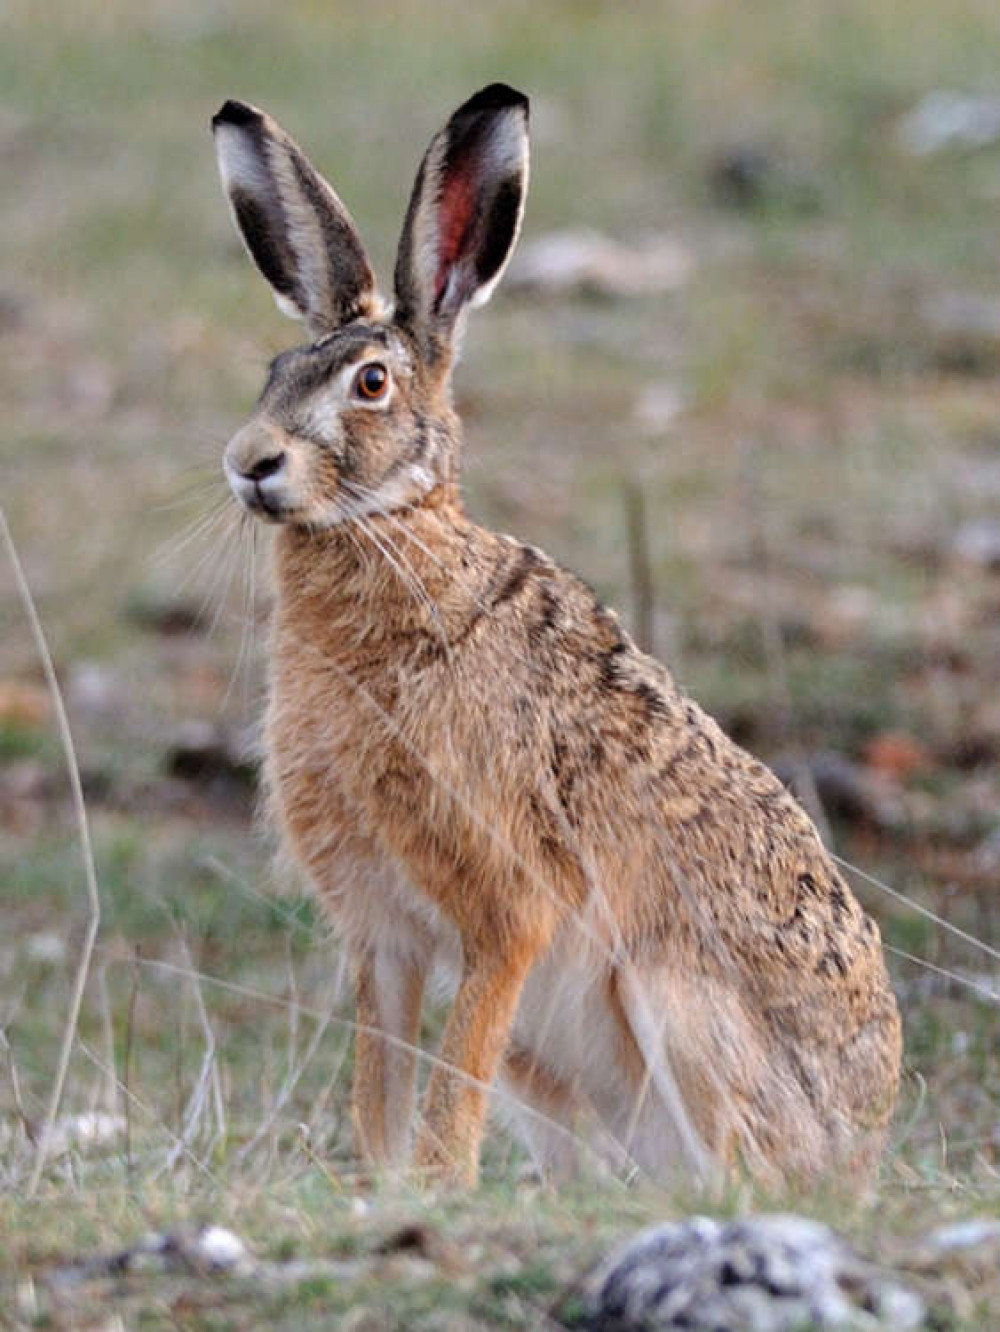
[482, 775]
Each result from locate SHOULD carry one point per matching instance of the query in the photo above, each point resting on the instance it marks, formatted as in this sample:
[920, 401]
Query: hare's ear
[464, 214]
[299, 234]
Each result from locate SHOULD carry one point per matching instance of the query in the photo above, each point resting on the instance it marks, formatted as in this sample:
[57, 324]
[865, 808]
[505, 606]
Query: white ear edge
[240, 168]
[291, 221]
[509, 149]
[287, 306]
[509, 155]
[239, 164]
[516, 155]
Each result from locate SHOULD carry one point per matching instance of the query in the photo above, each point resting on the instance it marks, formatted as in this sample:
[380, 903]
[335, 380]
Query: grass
[833, 439]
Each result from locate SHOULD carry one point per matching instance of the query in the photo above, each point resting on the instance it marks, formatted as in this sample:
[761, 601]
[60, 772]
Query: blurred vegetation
[836, 432]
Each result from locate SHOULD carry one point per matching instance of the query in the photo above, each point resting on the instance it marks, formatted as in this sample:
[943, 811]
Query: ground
[810, 419]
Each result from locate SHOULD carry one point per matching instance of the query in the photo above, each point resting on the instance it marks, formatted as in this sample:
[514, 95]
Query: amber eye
[372, 381]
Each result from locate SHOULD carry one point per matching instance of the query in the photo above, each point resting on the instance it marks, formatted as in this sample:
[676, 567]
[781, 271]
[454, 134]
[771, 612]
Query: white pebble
[220, 1248]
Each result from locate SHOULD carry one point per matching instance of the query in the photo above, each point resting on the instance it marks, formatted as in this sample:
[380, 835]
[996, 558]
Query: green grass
[832, 441]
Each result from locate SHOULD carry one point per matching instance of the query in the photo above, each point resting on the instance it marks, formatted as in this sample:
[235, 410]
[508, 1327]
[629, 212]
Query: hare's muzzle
[257, 469]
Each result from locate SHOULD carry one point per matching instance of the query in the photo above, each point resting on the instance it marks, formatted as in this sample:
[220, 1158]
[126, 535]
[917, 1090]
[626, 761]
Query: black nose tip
[265, 467]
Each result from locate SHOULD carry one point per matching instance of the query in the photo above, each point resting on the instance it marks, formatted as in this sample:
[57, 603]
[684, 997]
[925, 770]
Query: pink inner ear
[455, 210]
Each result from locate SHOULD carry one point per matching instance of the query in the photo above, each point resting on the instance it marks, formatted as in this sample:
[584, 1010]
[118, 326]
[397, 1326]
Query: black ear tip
[495, 97]
[235, 113]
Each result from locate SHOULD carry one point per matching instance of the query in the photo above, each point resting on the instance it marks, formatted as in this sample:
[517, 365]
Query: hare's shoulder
[619, 723]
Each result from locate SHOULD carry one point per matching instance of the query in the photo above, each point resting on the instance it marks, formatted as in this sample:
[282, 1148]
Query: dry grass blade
[148, 1112]
[207, 1091]
[640, 566]
[90, 871]
[973, 986]
[297, 1067]
[331, 1019]
[918, 908]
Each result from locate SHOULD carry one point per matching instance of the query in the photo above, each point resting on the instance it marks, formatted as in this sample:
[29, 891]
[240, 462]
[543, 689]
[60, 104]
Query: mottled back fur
[485, 778]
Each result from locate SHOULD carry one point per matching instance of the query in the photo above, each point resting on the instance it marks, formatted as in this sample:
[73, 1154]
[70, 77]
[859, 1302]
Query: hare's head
[359, 419]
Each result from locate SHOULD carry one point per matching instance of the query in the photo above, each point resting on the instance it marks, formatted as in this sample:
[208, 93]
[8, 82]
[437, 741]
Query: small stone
[26, 1299]
[89, 1130]
[220, 1250]
[945, 119]
[589, 263]
[93, 688]
[846, 790]
[964, 314]
[164, 612]
[965, 1235]
[207, 752]
[978, 542]
[897, 1307]
[46, 948]
[658, 407]
[747, 177]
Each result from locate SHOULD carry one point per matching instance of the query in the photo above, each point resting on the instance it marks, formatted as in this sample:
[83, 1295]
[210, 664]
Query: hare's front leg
[475, 1040]
[389, 987]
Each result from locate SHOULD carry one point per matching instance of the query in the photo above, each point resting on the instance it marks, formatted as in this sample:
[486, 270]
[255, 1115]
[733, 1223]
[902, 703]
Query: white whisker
[371, 497]
[223, 584]
[407, 576]
[247, 537]
[197, 528]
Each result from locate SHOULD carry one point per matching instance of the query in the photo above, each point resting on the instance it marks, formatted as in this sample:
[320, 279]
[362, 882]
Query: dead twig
[90, 872]
[640, 567]
[127, 1065]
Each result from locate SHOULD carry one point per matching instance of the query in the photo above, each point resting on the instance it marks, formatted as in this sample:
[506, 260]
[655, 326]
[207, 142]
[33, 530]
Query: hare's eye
[372, 381]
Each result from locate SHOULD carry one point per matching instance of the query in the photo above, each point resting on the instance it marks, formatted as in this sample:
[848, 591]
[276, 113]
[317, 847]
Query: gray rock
[945, 119]
[591, 264]
[978, 542]
[846, 790]
[747, 177]
[762, 1274]
[207, 752]
[965, 1235]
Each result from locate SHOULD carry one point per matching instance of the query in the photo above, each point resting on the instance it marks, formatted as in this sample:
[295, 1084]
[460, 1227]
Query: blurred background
[744, 377]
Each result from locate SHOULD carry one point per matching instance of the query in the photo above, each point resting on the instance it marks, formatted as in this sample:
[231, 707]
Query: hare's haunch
[481, 773]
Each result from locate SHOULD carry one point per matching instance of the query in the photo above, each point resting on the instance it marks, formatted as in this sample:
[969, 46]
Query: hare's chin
[269, 511]
[321, 518]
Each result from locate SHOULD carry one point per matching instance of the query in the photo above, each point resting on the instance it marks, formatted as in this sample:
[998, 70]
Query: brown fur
[481, 772]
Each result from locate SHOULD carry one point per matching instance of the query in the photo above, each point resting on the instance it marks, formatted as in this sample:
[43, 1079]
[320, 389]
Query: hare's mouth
[266, 497]
[268, 506]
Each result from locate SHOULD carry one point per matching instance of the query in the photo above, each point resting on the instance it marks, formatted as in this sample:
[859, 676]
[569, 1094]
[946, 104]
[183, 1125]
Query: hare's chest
[315, 749]
[319, 764]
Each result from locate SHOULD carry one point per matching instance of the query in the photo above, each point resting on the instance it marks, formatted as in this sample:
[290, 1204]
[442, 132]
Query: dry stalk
[90, 872]
[296, 1066]
[921, 910]
[127, 1065]
[208, 1088]
[640, 567]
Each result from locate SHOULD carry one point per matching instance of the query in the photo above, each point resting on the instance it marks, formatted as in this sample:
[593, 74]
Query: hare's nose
[257, 452]
[267, 466]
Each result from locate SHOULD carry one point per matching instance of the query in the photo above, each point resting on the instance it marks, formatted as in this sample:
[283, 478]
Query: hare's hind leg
[389, 987]
[541, 1108]
[652, 1114]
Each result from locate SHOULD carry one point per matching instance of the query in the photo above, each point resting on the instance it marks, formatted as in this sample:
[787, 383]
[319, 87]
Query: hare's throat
[399, 576]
